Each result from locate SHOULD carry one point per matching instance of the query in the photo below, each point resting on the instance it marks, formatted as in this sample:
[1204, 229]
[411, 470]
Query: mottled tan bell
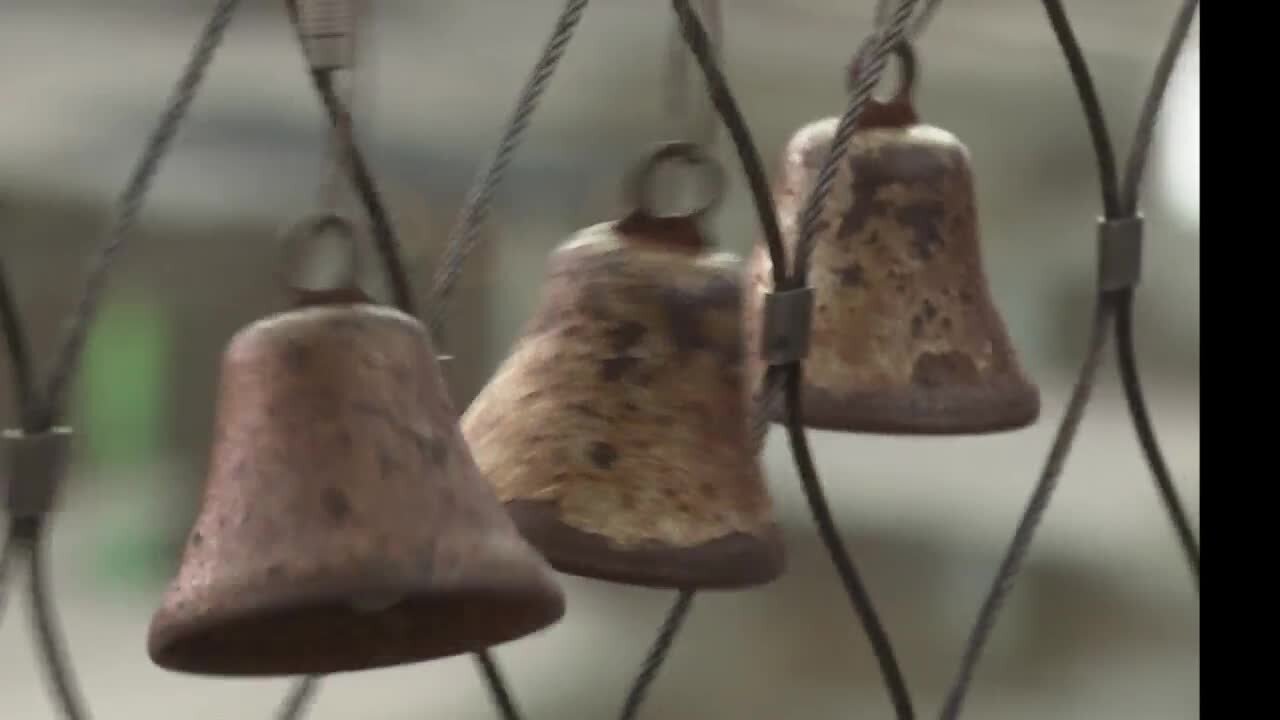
[345, 525]
[617, 431]
[906, 338]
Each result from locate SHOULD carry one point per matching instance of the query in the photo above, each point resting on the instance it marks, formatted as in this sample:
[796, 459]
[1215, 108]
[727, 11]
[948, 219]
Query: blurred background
[1104, 622]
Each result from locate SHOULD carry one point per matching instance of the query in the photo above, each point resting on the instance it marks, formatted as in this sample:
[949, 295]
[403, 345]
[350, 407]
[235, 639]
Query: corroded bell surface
[617, 432]
[345, 525]
[906, 338]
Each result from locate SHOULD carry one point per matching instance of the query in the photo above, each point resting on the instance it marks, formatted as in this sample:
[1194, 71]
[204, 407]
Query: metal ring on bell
[639, 183]
[298, 246]
[906, 56]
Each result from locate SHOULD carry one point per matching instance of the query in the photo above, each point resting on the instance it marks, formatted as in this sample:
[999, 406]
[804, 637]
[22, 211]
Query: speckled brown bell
[906, 338]
[345, 525]
[617, 431]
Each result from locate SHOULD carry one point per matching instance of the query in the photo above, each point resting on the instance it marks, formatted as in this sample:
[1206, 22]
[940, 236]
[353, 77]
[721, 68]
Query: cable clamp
[36, 468]
[788, 322]
[1120, 253]
[328, 30]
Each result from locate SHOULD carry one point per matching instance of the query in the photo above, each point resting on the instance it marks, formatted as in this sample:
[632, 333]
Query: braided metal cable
[128, 207]
[299, 699]
[717, 87]
[1126, 346]
[19, 538]
[352, 161]
[26, 536]
[502, 697]
[8, 554]
[384, 236]
[850, 578]
[1144, 135]
[1127, 362]
[657, 654]
[919, 23]
[1038, 504]
[695, 119]
[1078, 67]
[699, 124]
[50, 643]
[872, 60]
[1114, 314]
[365, 186]
[17, 344]
[340, 20]
[704, 51]
[465, 235]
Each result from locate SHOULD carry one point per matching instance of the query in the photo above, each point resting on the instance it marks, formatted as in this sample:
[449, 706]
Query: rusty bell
[345, 525]
[906, 338]
[617, 431]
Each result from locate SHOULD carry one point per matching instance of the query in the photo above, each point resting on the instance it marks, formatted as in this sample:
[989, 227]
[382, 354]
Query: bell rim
[986, 409]
[175, 643]
[736, 561]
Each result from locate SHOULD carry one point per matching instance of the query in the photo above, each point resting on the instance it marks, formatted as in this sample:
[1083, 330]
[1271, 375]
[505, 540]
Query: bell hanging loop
[641, 183]
[898, 110]
[306, 248]
[903, 52]
[905, 338]
[617, 432]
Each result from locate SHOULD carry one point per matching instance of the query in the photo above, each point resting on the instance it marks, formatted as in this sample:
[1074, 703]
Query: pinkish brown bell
[906, 338]
[617, 432]
[344, 525]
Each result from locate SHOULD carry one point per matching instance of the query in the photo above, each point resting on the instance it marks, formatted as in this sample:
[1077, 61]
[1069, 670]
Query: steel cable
[1126, 346]
[40, 411]
[1036, 507]
[128, 207]
[872, 58]
[8, 553]
[1078, 67]
[726, 106]
[1143, 136]
[657, 654]
[299, 699]
[465, 236]
[57, 662]
[698, 127]
[855, 588]
[704, 51]
[352, 160]
[15, 337]
[502, 697]
[696, 122]
[920, 21]
[1114, 314]
[1145, 429]
[384, 236]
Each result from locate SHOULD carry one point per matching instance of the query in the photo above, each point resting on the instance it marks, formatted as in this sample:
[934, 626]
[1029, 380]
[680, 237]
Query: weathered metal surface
[906, 337]
[344, 525]
[617, 430]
